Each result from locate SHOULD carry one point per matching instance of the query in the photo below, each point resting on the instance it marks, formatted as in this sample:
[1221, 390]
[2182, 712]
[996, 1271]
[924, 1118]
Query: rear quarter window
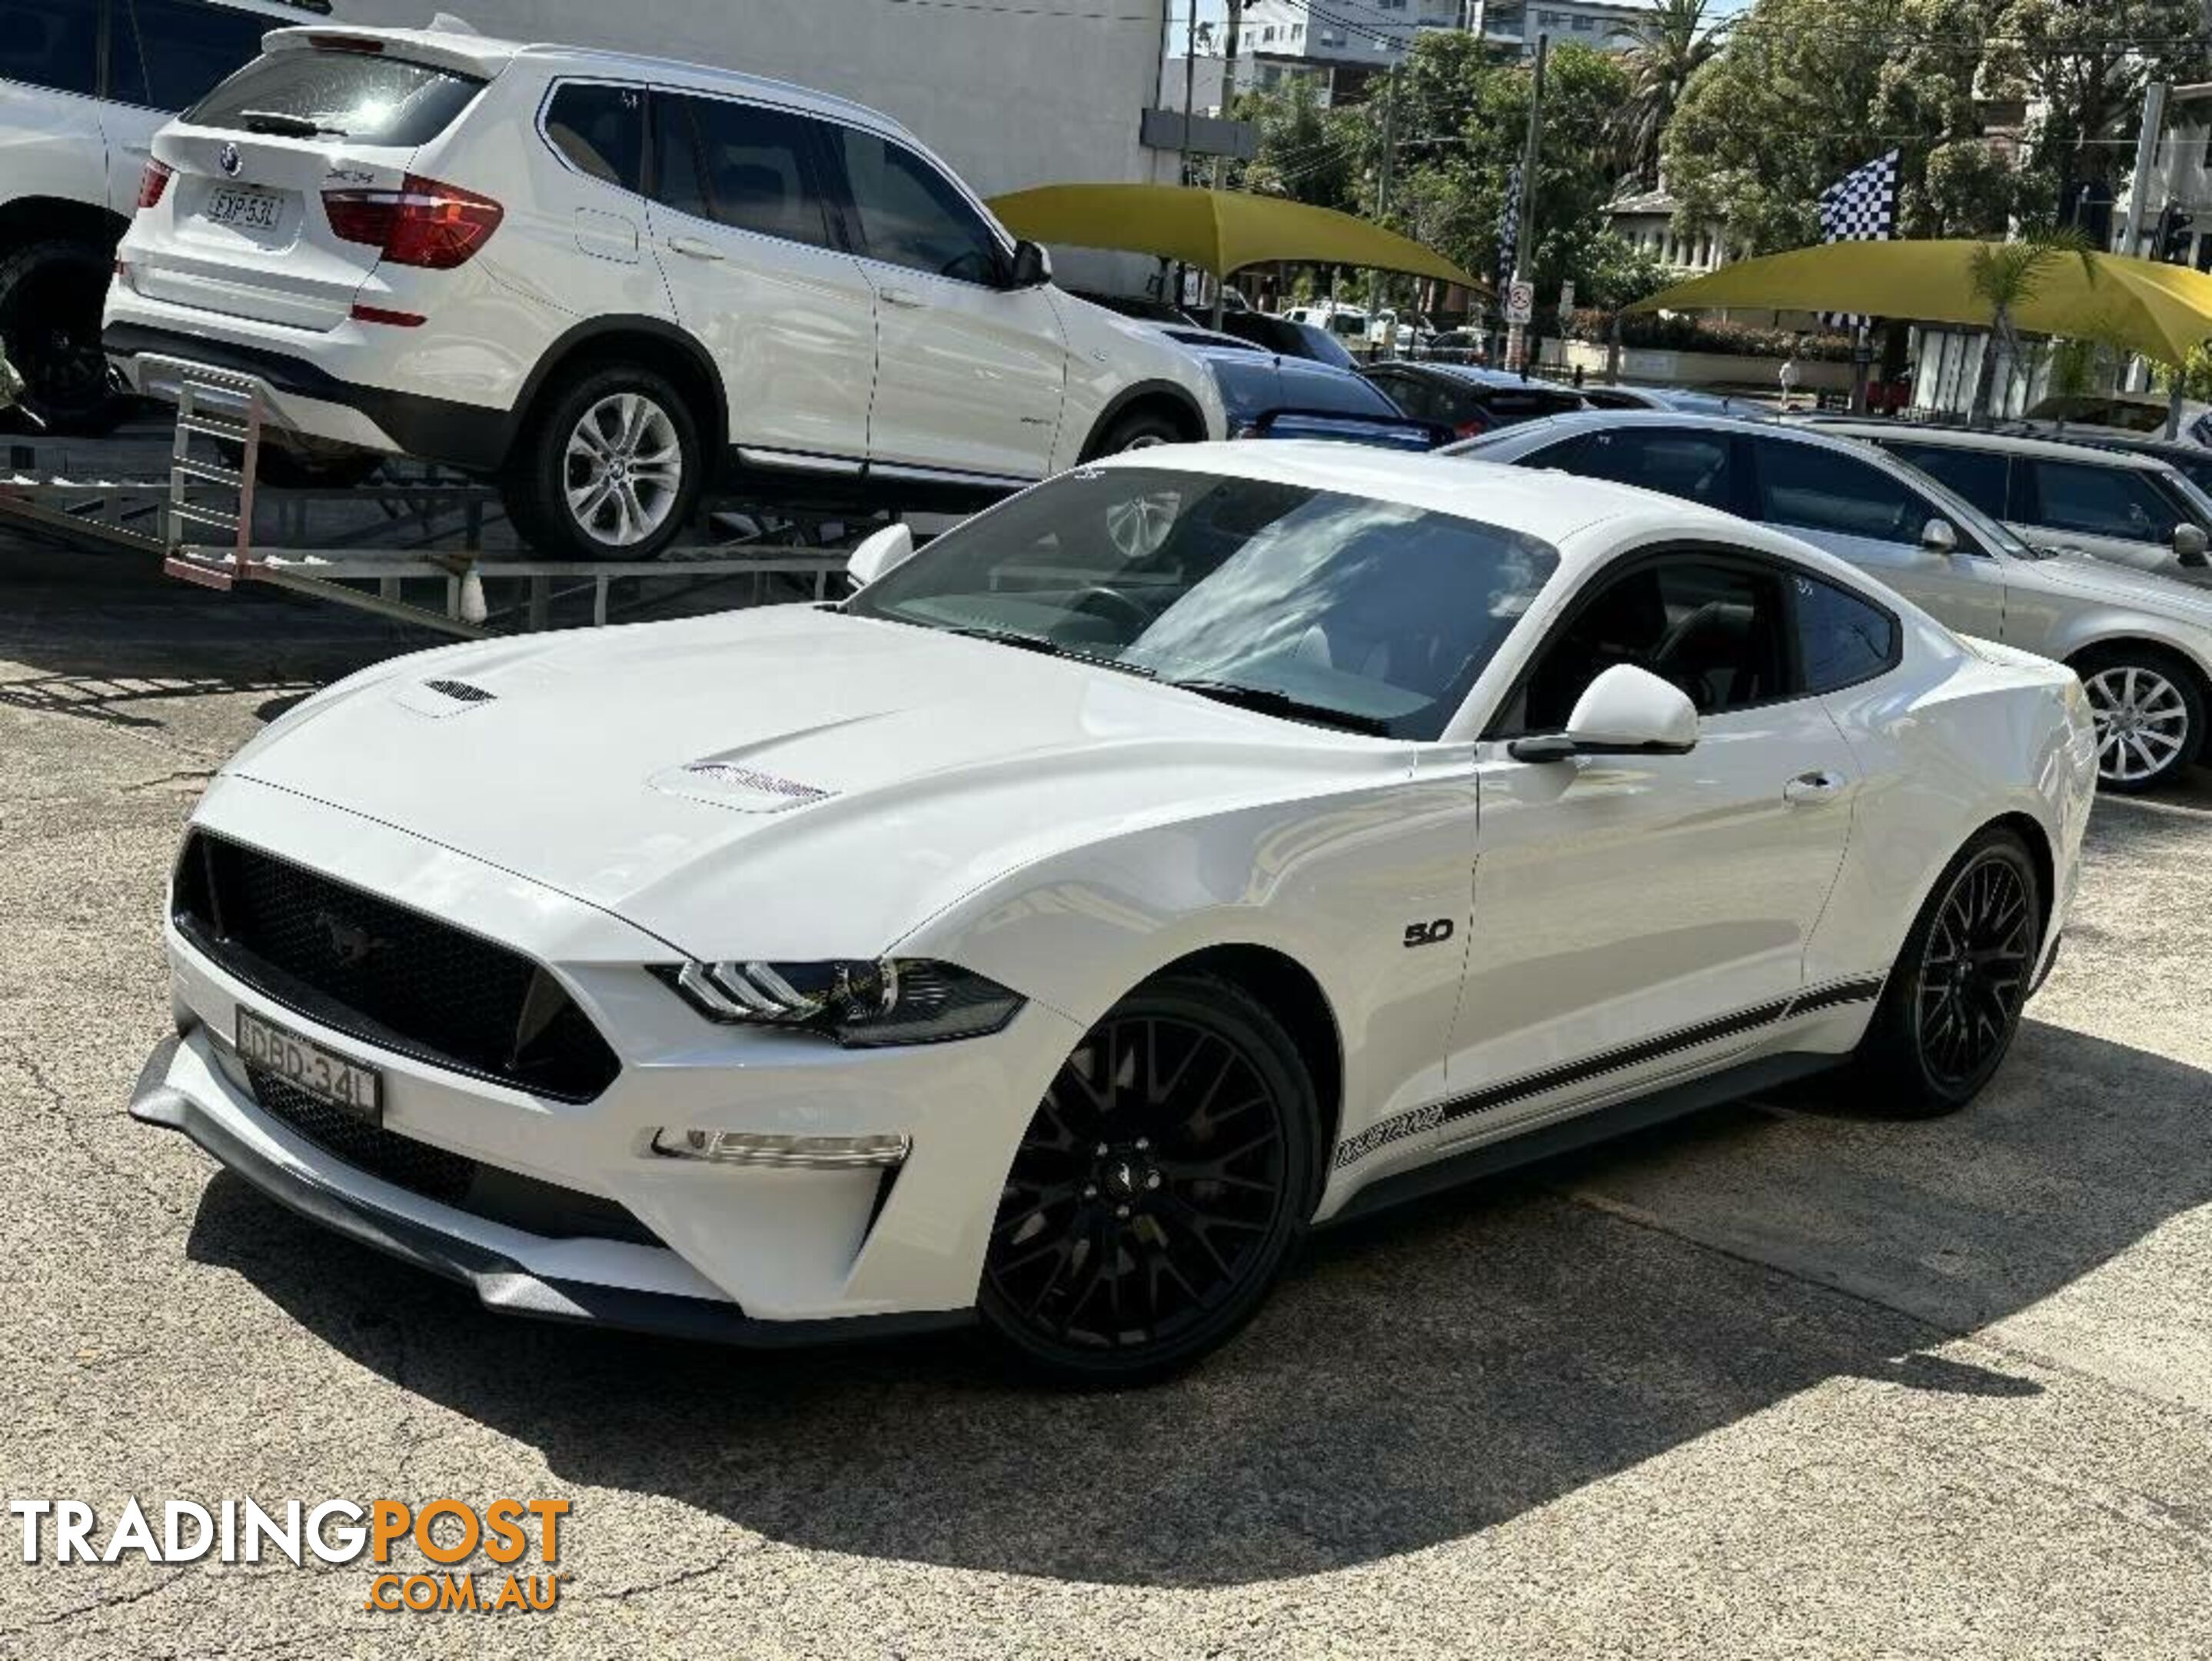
[1842, 639]
[371, 100]
[179, 50]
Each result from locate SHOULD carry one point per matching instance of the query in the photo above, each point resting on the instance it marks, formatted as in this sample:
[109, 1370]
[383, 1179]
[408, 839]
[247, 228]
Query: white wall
[1010, 100]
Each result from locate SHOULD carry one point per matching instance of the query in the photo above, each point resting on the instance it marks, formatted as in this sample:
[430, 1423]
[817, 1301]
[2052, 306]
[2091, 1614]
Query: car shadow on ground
[1421, 1376]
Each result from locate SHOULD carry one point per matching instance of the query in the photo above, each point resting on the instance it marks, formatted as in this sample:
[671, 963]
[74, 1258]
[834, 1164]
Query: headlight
[887, 1002]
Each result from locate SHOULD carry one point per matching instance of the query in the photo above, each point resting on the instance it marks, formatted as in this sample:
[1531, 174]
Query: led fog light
[752, 1147]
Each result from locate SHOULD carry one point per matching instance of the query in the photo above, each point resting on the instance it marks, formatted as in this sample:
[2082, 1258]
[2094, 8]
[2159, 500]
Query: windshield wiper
[1051, 649]
[278, 124]
[1269, 700]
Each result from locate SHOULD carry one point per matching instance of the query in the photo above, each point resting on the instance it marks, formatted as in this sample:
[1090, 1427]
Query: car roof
[1520, 499]
[1473, 375]
[488, 56]
[1957, 438]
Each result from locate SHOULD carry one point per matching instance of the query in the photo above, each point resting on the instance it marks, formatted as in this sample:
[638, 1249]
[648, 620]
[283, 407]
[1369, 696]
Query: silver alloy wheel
[623, 470]
[2143, 721]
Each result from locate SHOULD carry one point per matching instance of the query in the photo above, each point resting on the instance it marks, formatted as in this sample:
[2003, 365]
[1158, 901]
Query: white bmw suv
[601, 278]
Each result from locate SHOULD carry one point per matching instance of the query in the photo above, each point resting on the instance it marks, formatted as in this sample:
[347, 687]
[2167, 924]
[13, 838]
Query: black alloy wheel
[1954, 999]
[1157, 1190]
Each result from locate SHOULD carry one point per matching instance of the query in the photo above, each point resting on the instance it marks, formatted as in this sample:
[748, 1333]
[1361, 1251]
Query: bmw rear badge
[226, 158]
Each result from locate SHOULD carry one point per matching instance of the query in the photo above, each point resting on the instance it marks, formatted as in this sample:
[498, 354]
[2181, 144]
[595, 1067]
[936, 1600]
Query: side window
[184, 49]
[745, 166]
[909, 214]
[1415, 397]
[1714, 629]
[1677, 461]
[2104, 502]
[50, 43]
[1842, 640]
[1977, 475]
[1808, 487]
[601, 130]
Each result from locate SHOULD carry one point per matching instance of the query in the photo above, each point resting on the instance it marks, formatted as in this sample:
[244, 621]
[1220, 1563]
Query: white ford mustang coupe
[1199, 846]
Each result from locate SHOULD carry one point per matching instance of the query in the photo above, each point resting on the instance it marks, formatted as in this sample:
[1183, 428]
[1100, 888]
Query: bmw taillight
[423, 223]
[154, 184]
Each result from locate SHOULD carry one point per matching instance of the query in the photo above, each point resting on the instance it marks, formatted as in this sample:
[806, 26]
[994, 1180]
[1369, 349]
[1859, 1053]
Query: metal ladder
[197, 388]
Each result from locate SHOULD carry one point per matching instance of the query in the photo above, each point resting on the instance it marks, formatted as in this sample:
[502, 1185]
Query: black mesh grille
[419, 1168]
[501, 1196]
[392, 976]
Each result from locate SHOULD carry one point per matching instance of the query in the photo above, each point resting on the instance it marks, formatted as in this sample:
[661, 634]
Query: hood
[2123, 584]
[781, 782]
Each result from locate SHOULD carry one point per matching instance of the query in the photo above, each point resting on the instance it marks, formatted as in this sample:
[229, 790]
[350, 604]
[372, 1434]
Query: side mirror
[1937, 537]
[1032, 267]
[892, 545]
[2190, 544]
[1625, 711]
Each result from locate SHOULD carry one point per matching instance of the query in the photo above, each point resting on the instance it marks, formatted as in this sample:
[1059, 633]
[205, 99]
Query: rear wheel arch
[647, 341]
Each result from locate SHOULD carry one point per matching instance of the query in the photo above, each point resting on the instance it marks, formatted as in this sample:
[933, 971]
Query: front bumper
[791, 1249]
[502, 1284]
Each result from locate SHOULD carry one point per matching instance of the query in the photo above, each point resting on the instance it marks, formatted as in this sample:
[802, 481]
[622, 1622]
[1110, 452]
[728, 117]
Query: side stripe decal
[1417, 1121]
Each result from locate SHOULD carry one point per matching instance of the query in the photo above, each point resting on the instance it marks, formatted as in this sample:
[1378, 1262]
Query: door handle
[1820, 785]
[693, 247]
[905, 297]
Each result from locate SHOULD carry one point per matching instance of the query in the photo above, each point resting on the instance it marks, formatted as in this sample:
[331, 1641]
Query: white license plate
[249, 211]
[307, 1066]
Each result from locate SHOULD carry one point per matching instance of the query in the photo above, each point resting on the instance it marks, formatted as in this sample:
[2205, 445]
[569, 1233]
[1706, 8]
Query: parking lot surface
[1780, 1381]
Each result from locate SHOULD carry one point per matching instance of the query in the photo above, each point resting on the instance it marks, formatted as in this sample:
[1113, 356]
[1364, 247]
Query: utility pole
[1382, 190]
[2154, 120]
[1190, 97]
[1228, 108]
[1516, 337]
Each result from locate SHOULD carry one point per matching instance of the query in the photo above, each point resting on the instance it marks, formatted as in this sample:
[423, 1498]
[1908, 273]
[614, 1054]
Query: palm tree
[1672, 44]
[2004, 277]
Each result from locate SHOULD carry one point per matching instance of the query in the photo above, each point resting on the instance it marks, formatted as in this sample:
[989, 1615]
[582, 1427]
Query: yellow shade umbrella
[1219, 231]
[2160, 311]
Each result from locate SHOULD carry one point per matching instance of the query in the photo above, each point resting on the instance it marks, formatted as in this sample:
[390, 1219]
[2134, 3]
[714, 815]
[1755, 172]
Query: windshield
[1337, 610]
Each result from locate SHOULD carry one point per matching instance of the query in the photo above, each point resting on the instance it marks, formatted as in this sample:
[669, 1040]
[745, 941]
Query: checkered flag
[1509, 228]
[1860, 207]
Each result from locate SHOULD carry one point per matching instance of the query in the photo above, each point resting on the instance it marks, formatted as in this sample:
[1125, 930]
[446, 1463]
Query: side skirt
[1691, 1095]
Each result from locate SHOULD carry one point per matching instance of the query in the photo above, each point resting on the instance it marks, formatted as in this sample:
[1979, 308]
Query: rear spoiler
[1336, 426]
[464, 54]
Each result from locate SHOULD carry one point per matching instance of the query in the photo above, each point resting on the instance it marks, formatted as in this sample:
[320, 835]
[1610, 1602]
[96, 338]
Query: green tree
[1803, 91]
[2086, 65]
[2006, 275]
[1672, 45]
[1307, 151]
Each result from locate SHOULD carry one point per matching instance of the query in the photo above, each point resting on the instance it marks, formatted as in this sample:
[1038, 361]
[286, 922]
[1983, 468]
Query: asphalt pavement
[1782, 1381]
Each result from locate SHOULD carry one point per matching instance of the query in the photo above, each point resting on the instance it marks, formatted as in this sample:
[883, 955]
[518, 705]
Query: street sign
[1567, 298]
[1520, 303]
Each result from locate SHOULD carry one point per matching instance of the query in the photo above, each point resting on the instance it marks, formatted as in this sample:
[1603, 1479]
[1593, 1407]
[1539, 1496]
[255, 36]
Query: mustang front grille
[389, 976]
[486, 1192]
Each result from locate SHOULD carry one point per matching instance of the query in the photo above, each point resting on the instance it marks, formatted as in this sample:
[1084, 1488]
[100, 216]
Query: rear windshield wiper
[1268, 700]
[278, 124]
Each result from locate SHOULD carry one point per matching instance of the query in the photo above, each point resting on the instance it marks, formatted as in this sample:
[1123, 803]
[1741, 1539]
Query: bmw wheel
[609, 469]
[1164, 1179]
[1953, 1000]
[2149, 714]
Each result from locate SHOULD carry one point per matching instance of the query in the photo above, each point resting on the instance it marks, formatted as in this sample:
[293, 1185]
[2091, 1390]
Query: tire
[557, 460]
[1124, 1266]
[2150, 715]
[51, 295]
[1140, 429]
[1942, 1027]
[313, 465]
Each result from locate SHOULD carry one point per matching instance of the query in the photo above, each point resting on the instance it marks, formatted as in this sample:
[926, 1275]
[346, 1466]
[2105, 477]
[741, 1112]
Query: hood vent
[726, 784]
[440, 698]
